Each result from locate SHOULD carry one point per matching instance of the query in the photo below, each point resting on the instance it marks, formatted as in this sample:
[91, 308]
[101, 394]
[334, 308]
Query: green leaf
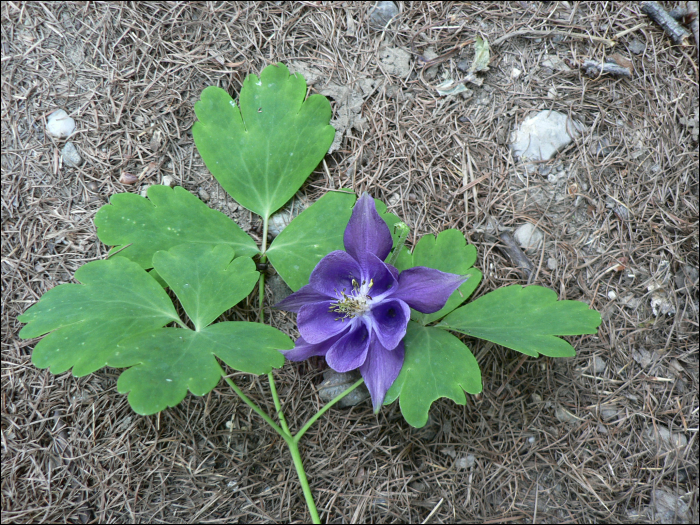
[116, 318]
[437, 364]
[217, 284]
[448, 253]
[525, 319]
[482, 55]
[139, 227]
[313, 234]
[86, 321]
[262, 150]
[169, 362]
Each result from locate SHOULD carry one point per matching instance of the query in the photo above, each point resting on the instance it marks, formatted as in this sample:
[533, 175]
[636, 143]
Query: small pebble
[167, 180]
[599, 365]
[92, 185]
[528, 237]
[515, 73]
[128, 178]
[59, 125]
[552, 263]
[203, 194]
[612, 295]
[144, 191]
[382, 13]
[636, 47]
[71, 157]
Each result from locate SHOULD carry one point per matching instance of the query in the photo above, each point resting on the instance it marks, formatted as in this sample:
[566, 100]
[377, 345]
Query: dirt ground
[610, 435]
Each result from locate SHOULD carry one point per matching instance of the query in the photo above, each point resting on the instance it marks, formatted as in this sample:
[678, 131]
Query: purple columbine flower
[355, 309]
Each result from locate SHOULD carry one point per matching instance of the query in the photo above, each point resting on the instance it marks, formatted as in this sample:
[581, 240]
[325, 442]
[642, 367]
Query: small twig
[672, 28]
[516, 254]
[695, 25]
[537, 34]
[593, 69]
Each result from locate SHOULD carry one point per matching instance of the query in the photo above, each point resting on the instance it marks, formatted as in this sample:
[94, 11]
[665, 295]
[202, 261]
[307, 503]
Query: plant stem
[285, 435]
[278, 406]
[263, 259]
[403, 233]
[328, 405]
[299, 466]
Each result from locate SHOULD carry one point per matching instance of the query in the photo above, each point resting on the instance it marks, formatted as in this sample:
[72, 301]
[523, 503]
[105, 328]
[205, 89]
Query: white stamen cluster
[354, 304]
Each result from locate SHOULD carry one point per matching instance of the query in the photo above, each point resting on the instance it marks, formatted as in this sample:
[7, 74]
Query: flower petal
[304, 295]
[380, 370]
[426, 289]
[303, 350]
[379, 273]
[350, 351]
[367, 232]
[389, 321]
[334, 273]
[317, 323]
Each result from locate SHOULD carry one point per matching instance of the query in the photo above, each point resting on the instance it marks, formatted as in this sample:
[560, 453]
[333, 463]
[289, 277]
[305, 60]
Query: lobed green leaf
[139, 227]
[205, 280]
[262, 150]
[87, 320]
[117, 318]
[436, 365]
[450, 253]
[314, 233]
[166, 363]
[525, 319]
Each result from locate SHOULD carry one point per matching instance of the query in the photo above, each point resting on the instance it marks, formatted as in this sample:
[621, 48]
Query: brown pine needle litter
[607, 436]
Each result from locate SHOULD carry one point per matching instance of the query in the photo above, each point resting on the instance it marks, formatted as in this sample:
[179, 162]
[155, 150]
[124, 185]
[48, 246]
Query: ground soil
[548, 440]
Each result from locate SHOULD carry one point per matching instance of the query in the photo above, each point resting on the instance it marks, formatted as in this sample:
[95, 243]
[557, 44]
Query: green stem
[278, 406]
[403, 234]
[318, 414]
[285, 435]
[263, 258]
[299, 466]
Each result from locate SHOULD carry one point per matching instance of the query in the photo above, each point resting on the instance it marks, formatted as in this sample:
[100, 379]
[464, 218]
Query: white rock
[612, 295]
[542, 135]
[599, 365]
[167, 180]
[382, 13]
[528, 237]
[60, 125]
[515, 73]
[70, 155]
[280, 220]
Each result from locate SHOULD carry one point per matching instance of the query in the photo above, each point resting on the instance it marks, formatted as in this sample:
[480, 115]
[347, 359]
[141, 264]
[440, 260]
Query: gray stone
[59, 125]
[167, 180]
[668, 507]
[381, 14]
[636, 47]
[542, 135]
[599, 365]
[528, 237]
[554, 63]
[280, 220]
[70, 155]
[278, 288]
[335, 383]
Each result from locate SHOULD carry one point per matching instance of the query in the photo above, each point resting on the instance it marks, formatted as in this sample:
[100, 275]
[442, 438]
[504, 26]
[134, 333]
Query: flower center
[354, 304]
